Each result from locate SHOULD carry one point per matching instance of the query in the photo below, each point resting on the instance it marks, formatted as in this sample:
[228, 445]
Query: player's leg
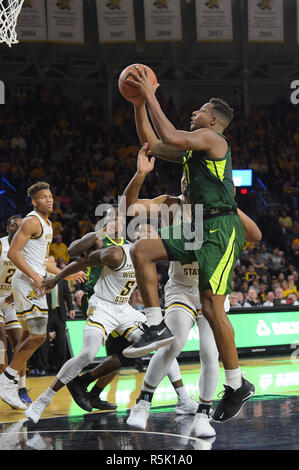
[93, 338]
[208, 379]
[224, 240]
[32, 312]
[104, 373]
[3, 347]
[16, 335]
[159, 366]
[145, 254]
[36, 328]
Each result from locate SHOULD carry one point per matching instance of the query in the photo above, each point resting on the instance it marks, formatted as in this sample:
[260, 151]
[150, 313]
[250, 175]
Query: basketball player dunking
[29, 251]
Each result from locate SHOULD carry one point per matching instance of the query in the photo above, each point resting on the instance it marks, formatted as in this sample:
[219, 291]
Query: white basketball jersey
[117, 285]
[7, 268]
[187, 274]
[36, 250]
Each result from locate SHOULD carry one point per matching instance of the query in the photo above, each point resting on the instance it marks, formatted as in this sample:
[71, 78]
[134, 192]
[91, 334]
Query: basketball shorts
[107, 316]
[29, 303]
[223, 242]
[8, 315]
[186, 298]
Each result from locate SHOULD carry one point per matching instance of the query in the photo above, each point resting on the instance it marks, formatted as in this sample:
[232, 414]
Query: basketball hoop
[9, 12]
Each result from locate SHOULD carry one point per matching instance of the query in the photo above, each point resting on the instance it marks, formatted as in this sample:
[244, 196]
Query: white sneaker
[37, 408]
[188, 407]
[201, 426]
[139, 414]
[9, 393]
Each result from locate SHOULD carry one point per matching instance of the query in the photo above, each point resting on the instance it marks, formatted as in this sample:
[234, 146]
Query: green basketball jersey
[94, 273]
[210, 182]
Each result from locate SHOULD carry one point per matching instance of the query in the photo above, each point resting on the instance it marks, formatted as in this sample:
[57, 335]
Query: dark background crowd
[88, 160]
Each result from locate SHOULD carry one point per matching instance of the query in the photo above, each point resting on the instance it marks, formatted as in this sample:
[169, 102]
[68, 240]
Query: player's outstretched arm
[134, 205]
[252, 232]
[82, 245]
[147, 134]
[112, 257]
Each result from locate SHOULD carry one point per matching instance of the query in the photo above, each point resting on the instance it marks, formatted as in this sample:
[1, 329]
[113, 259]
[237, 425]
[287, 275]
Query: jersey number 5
[128, 286]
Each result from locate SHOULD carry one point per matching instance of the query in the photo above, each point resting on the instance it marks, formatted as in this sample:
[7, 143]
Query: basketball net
[9, 12]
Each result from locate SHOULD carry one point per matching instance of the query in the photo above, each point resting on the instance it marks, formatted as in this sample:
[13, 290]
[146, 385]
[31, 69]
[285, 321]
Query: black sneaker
[154, 337]
[96, 402]
[232, 401]
[78, 392]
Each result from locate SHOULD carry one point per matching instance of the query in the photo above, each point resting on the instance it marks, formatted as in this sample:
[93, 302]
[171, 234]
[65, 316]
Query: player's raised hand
[145, 164]
[142, 82]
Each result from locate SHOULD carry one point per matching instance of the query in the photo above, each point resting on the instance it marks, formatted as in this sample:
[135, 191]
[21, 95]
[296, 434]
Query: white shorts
[108, 316]
[186, 298]
[29, 303]
[8, 315]
[183, 297]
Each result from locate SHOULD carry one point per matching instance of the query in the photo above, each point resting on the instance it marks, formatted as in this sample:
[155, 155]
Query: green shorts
[223, 242]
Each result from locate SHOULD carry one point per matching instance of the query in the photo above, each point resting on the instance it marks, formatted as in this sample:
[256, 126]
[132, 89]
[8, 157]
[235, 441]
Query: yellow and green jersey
[210, 182]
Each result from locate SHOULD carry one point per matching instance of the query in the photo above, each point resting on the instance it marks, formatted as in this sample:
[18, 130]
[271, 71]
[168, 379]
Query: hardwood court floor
[269, 421]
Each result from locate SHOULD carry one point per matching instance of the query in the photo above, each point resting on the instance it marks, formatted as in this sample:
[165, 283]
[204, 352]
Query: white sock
[11, 371]
[182, 394]
[49, 393]
[22, 381]
[233, 378]
[153, 315]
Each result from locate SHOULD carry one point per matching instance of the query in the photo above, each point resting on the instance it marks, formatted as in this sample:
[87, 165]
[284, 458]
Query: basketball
[128, 91]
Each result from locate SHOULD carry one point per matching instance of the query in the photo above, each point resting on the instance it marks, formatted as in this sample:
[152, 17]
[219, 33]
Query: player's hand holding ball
[136, 82]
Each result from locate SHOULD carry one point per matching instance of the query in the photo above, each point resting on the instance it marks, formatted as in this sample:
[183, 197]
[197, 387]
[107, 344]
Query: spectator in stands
[56, 225]
[292, 300]
[263, 292]
[289, 288]
[85, 225]
[270, 300]
[279, 300]
[240, 296]
[233, 300]
[251, 274]
[276, 262]
[58, 249]
[18, 141]
[285, 220]
[252, 299]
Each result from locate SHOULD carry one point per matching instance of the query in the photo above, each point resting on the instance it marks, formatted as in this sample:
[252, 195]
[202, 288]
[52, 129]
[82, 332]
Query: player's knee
[174, 348]
[38, 339]
[86, 357]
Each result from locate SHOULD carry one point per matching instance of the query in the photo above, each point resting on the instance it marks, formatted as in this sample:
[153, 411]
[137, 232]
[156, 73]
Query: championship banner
[32, 24]
[65, 21]
[214, 20]
[163, 21]
[265, 21]
[116, 21]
